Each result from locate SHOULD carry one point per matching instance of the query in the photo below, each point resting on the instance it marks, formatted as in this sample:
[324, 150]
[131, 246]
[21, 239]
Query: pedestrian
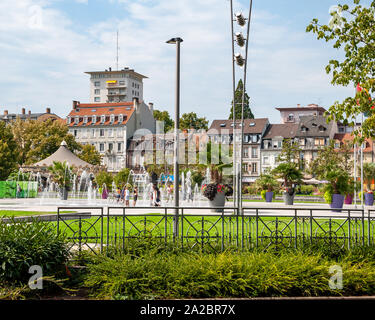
[118, 194]
[127, 196]
[135, 196]
[156, 196]
[169, 192]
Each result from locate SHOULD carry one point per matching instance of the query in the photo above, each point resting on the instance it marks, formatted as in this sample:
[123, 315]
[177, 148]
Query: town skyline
[284, 60]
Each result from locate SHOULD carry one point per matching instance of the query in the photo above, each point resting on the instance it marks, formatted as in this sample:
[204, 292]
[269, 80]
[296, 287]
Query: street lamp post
[176, 173]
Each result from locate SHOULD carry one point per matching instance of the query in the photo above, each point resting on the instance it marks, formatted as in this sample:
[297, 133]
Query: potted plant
[61, 174]
[337, 188]
[352, 187]
[292, 175]
[216, 191]
[267, 184]
[330, 165]
[216, 194]
[368, 176]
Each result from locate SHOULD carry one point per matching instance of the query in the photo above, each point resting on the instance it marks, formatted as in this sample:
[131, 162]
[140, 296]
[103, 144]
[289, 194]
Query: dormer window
[252, 124]
[102, 120]
[304, 129]
[93, 119]
[120, 118]
[291, 117]
[322, 129]
[223, 125]
[112, 119]
[85, 120]
[76, 120]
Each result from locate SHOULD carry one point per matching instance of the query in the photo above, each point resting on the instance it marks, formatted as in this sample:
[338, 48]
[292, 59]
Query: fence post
[349, 226]
[101, 229]
[295, 228]
[256, 223]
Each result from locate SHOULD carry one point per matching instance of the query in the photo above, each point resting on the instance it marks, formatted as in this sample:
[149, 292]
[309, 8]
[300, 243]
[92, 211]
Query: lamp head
[174, 40]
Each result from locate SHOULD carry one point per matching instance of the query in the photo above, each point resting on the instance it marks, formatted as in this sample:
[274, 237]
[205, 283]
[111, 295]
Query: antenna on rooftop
[117, 52]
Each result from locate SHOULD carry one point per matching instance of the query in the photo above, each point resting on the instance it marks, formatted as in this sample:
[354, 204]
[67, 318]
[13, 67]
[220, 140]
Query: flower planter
[337, 202]
[64, 194]
[369, 199]
[288, 199]
[218, 201]
[348, 199]
[269, 196]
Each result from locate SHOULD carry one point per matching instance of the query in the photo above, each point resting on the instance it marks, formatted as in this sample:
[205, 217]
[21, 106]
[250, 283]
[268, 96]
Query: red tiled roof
[99, 109]
[343, 137]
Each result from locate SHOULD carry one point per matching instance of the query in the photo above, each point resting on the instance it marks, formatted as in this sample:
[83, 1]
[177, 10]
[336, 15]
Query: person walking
[135, 196]
[156, 196]
[127, 196]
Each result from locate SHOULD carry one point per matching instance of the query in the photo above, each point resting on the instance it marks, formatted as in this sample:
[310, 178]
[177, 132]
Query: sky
[47, 45]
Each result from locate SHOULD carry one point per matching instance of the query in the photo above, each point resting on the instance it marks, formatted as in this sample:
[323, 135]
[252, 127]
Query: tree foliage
[192, 121]
[104, 177]
[90, 154]
[329, 165]
[122, 178]
[37, 140]
[8, 151]
[353, 30]
[238, 104]
[166, 118]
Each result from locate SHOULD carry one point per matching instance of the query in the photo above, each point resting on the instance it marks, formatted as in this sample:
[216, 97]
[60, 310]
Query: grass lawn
[14, 213]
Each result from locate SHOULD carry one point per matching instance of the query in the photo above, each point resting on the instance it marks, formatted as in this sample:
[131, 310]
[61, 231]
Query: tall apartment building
[109, 126]
[111, 86]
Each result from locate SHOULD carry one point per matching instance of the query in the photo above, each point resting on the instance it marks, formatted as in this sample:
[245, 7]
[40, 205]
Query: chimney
[48, 110]
[151, 106]
[75, 104]
[5, 112]
[29, 112]
[23, 110]
[298, 105]
[135, 103]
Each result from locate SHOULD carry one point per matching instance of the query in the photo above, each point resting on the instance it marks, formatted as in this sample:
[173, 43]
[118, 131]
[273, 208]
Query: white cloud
[44, 64]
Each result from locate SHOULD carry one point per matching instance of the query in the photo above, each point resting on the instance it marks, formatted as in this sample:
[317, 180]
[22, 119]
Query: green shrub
[166, 274]
[307, 189]
[328, 196]
[23, 244]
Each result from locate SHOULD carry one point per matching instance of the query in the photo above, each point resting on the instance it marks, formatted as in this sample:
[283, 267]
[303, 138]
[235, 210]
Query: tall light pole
[241, 62]
[176, 173]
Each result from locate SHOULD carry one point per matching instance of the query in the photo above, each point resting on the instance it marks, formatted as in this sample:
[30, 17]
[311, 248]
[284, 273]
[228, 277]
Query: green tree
[352, 29]
[104, 177]
[37, 139]
[8, 151]
[90, 154]
[164, 116]
[238, 104]
[122, 178]
[191, 121]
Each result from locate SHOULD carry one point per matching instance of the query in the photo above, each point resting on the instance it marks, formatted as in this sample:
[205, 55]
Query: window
[266, 160]
[304, 129]
[97, 99]
[75, 133]
[254, 153]
[97, 84]
[97, 91]
[254, 167]
[252, 124]
[101, 133]
[101, 147]
[246, 153]
[119, 147]
[291, 117]
[302, 142]
[110, 147]
[93, 133]
[122, 83]
[341, 130]
[322, 129]
[319, 141]
[254, 138]
[102, 120]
